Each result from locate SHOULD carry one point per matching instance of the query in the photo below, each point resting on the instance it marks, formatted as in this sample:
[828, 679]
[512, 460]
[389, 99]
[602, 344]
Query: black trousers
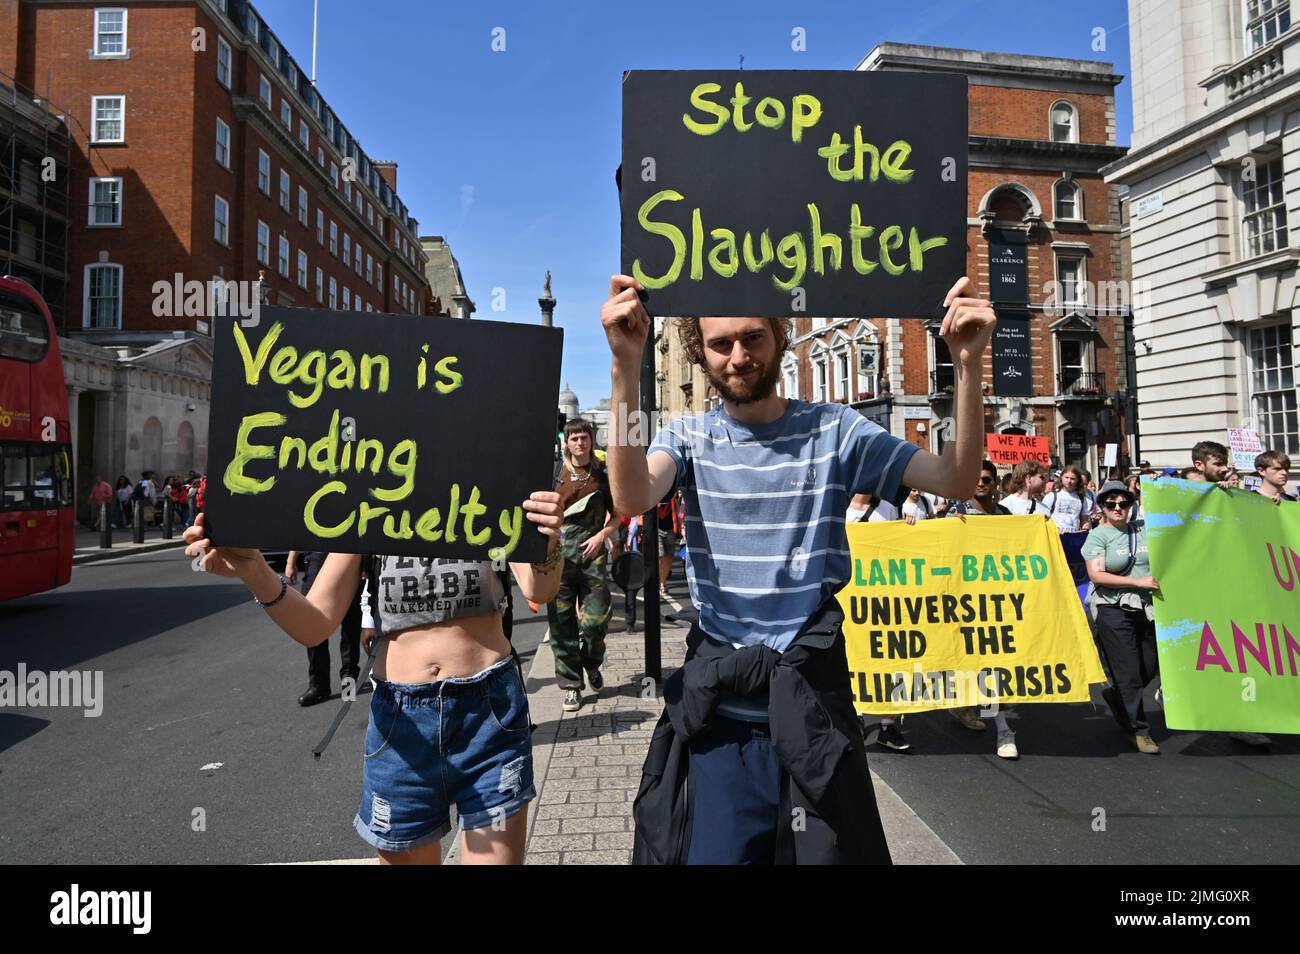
[1128, 640]
[318, 657]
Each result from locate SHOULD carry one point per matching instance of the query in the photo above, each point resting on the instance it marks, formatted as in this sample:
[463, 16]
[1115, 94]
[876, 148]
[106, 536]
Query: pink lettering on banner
[1211, 653]
[1291, 565]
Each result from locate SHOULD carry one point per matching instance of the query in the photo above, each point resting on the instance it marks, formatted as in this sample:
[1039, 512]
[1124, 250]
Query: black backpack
[138, 493]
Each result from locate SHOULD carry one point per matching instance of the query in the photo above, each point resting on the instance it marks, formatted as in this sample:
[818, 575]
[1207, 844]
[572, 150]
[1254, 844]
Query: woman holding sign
[449, 716]
[1120, 569]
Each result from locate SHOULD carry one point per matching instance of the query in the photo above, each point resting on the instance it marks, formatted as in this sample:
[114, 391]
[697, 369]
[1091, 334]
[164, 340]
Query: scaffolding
[35, 170]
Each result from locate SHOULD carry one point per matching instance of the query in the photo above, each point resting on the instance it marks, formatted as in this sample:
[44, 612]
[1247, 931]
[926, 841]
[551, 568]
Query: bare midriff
[460, 647]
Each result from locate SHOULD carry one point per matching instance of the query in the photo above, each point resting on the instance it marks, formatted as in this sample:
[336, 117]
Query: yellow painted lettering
[236, 481]
[668, 231]
[309, 512]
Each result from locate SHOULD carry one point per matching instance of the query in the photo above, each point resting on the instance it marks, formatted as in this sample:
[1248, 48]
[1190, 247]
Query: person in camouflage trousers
[580, 611]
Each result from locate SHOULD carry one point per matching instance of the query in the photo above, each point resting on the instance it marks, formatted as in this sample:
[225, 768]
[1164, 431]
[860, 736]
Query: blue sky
[511, 155]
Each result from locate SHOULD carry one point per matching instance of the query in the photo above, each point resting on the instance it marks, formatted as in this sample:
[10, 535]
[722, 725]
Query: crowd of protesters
[1114, 568]
[150, 496]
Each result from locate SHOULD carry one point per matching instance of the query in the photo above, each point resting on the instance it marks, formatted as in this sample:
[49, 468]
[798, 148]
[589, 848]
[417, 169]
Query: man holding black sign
[766, 481]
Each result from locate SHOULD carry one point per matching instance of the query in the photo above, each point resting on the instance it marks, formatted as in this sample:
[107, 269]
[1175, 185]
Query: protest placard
[1007, 450]
[1228, 655]
[778, 192]
[1245, 446]
[365, 433]
[951, 613]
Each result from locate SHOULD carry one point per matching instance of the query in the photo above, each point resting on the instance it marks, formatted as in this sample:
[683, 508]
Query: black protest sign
[1008, 267]
[1013, 363]
[363, 433]
[774, 193]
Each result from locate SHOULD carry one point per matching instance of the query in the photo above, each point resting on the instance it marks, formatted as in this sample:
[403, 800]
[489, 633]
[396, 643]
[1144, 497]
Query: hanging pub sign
[777, 193]
[1008, 267]
[1013, 365]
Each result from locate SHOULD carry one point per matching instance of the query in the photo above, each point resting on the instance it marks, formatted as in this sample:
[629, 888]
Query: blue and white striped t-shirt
[765, 509]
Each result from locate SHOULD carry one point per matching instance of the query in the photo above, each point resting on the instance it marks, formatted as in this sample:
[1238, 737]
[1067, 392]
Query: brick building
[201, 152]
[1040, 129]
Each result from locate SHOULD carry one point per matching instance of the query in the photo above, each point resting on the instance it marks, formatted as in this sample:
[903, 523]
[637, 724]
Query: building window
[105, 201]
[370, 269]
[347, 248]
[1067, 200]
[1266, 20]
[356, 258]
[284, 190]
[1069, 278]
[1065, 127]
[302, 205]
[821, 376]
[320, 286]
[320, 157]
[103, 305]
[789, 377]
[320, 227]
[223, 143]
[110, 32]
[221, 229]
[107, 123]
[1263, 222]
[334, 173]
[334, 293]
[1272, 388]
[379, 276]
[263, 172]
[1070, 364]
[843, 365]
[942, 379]
[304, 136]
[263, 243]
[347, 299]
[284, 256]
[286, 114]
[264, 91]
[334, 239]
[302, 269]
[223, 62]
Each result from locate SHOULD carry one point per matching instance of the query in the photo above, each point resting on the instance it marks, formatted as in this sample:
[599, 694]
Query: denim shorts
[462, 742]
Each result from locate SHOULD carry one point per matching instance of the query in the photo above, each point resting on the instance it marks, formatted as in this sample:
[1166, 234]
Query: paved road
[1206, 799]
[194, 675]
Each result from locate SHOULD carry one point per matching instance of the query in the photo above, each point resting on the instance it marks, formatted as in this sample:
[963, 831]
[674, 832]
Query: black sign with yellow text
[775, 193]
[364, 433]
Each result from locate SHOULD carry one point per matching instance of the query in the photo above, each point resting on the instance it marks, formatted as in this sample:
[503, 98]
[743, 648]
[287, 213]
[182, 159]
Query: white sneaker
[1251, 738]
[1007, 745]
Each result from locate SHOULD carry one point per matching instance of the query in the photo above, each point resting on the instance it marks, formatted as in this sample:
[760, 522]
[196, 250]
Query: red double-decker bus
[37, 530]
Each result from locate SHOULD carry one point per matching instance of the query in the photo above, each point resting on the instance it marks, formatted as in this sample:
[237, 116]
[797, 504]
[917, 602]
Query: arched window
[1065, 122]
[790, 376]
[184, 448]
[151, 447]
[1066, 200]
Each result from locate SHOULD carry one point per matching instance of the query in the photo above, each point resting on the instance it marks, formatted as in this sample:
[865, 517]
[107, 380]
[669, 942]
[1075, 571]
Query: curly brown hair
[688, 333]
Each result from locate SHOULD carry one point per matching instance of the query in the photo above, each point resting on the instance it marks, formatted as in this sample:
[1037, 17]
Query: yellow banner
[949, 613]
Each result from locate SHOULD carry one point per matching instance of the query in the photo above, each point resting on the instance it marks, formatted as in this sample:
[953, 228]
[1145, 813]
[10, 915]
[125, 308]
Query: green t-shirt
[1113, 544]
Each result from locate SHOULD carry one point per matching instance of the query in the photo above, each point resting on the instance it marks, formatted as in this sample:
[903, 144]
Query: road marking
[161, 725]
[211, 765]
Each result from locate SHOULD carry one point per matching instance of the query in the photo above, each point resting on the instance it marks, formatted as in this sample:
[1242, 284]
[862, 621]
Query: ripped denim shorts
[462, 741]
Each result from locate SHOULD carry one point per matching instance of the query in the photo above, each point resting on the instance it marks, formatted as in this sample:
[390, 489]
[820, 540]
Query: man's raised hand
[968, 324]
[625, 321]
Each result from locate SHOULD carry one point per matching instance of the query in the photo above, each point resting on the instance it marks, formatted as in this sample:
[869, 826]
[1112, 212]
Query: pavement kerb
[81, 557]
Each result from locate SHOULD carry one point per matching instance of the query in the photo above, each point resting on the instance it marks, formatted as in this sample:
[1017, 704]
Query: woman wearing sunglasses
[1120, 569]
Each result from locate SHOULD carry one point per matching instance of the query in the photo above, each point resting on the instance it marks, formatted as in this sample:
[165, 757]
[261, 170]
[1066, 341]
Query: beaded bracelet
[284, 588]
[546, 566]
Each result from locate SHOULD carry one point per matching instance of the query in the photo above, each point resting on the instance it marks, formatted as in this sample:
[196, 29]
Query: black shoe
[891, 737]
[1111, 695]
[595, 680]
[313, 696]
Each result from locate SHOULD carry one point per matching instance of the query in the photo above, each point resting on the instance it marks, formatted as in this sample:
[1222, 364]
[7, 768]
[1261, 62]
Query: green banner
[1228, 564]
